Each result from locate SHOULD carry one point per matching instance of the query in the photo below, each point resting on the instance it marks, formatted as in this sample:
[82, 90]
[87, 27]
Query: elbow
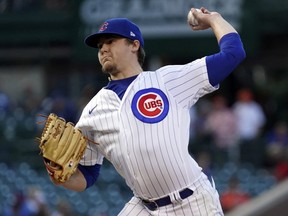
[237, 56]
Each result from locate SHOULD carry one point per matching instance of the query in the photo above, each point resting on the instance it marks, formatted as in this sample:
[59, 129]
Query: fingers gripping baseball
[199, 19]
[191, 18]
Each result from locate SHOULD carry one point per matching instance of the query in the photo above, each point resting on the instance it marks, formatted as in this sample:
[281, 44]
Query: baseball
[191, 19]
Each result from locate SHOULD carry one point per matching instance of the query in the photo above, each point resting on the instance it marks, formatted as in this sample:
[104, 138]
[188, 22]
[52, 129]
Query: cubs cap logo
[150, 105]
[103, 27]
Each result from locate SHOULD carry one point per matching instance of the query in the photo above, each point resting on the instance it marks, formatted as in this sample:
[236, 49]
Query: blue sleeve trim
[221, 64]
[90, 173]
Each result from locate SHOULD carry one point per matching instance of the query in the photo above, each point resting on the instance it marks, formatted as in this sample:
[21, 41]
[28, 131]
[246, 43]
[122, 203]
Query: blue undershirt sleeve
[221, 64]
[90, 173]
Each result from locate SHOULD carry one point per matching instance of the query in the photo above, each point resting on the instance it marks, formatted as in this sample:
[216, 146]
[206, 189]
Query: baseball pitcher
[140, 121]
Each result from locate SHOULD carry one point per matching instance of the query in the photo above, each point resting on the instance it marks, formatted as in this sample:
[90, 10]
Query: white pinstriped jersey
[146, 134]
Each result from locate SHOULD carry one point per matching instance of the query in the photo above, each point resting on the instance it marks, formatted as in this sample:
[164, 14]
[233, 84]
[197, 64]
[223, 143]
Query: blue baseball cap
[117, 26]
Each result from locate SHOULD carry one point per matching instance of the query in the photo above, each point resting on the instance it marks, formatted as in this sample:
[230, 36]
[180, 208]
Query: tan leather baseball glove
[62, 146]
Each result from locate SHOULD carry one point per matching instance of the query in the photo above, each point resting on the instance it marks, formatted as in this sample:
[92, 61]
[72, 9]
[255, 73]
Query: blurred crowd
[29, 104]
[237, 133]
[33, 203]
[25, 191]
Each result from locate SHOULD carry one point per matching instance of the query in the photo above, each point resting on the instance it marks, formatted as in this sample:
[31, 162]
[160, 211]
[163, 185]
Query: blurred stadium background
[45, 67]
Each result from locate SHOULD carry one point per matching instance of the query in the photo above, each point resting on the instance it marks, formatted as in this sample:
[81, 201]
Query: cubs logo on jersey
[150, 105]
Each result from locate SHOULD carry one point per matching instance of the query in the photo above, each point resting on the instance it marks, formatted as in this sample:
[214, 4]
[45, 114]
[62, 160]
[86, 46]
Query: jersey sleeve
[231, 54]
[91, 173]
[91, 155]
[188, 82]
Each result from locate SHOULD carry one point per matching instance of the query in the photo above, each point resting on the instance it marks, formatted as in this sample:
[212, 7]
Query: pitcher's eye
[110, 41]
[100, 45]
